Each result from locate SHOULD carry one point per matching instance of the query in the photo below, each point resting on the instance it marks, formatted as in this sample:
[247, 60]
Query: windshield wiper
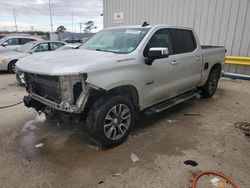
[104, 50]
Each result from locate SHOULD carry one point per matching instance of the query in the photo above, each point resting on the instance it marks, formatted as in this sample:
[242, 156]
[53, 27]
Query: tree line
[89, 26]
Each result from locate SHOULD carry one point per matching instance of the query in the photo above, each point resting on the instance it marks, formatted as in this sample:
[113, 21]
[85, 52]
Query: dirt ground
[69, 159]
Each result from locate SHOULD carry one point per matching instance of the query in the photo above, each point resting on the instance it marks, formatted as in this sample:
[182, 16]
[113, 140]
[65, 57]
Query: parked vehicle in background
[8, 60]
[67, 47]
[20, 75]
[71, 40]
[119, 72]
[1, 36]
[12, 42]
[84, 39]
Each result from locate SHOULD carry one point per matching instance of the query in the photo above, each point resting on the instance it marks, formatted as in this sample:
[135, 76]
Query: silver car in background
[8, 60]
[10, 43]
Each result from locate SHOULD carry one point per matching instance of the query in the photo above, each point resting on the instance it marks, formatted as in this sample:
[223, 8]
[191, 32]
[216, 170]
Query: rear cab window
[183, 41]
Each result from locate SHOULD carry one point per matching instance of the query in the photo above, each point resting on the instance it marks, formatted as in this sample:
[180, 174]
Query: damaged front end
[67, 94]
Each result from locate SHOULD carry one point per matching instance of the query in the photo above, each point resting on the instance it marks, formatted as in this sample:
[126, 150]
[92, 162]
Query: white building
[217, 22]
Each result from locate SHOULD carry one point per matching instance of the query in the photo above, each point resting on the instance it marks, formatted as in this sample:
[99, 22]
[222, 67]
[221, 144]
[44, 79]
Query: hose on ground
[7, 106]
[196, 178]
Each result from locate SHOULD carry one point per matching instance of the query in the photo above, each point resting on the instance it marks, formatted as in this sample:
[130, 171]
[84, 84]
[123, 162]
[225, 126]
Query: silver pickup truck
[119, 72]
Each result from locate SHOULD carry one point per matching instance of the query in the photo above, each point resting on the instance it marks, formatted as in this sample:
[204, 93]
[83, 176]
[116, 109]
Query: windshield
[24, 48]
[120, 40]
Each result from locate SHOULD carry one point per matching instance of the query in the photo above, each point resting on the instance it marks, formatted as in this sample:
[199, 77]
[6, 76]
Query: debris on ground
[100, 182]
[216, 182]
[191, 163]
[192, 114]
[117, 174]
[245, 128]
[172, 120]
[134, 157]
[39, 145]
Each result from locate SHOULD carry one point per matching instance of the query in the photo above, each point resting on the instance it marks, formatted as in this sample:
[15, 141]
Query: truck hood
[66, 62]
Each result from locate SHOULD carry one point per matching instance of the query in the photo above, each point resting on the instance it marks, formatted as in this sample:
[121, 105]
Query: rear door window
[183, 41]
[55, 45]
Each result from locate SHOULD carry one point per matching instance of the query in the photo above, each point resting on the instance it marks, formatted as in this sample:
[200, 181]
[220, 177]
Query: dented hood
[66, 62]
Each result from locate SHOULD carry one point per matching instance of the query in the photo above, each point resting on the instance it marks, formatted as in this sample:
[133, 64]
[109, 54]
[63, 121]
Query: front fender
[120, 76]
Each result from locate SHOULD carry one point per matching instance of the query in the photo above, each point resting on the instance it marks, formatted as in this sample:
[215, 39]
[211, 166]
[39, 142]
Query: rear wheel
[12, 66]
[110, 120]
[211, 85]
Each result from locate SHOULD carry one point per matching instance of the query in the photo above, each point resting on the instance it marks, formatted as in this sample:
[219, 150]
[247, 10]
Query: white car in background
[10, 43]
[68, 47]
[8, 60]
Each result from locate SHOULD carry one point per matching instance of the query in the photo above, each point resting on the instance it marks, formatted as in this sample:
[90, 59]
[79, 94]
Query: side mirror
[156, 53]
[5, 44]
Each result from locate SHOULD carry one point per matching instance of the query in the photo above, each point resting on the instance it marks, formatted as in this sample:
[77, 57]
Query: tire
[11, 66]
[50, 117]
[211, 85]
[110, 120]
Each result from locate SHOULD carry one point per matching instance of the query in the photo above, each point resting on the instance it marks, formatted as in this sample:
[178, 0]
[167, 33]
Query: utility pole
[72, 24]
[80, 27]
[51, 24]
[15, 18]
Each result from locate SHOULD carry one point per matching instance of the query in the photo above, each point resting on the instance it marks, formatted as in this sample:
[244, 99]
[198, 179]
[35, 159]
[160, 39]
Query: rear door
[187, 59]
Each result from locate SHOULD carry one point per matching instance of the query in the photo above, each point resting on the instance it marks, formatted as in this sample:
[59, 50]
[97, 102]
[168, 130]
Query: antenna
[145, 24]
[51, 24]
[15, 18]
[72, 25]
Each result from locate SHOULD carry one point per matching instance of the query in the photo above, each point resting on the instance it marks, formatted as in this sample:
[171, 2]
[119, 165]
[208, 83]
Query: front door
[160, 78]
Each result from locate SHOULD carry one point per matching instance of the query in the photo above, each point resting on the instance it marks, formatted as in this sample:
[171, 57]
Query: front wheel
[211, 85]
[12, 66]
[110, 120]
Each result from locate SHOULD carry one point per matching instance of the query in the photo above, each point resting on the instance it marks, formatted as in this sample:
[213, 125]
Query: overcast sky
[34, 14]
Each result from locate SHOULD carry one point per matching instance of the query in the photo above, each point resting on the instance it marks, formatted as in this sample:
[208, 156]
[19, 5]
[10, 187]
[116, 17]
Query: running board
[172, 102]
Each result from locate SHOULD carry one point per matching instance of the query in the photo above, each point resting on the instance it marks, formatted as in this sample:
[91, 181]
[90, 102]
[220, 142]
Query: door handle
[174, 62]
[198, 58]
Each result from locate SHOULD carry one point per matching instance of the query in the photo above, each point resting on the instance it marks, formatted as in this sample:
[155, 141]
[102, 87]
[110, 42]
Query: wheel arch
[12, 61]
[129, 92]
[216, 65]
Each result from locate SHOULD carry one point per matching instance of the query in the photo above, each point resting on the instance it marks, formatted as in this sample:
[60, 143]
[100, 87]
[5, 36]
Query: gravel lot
[69, 159]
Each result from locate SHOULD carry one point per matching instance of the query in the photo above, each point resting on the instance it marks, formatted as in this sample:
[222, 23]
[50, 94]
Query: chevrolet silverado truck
[118, 73]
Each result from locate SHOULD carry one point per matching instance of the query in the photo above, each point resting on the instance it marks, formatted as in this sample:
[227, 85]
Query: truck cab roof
[152, 26]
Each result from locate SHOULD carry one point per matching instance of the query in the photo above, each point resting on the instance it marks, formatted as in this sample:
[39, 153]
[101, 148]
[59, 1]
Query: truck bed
[213, 54]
